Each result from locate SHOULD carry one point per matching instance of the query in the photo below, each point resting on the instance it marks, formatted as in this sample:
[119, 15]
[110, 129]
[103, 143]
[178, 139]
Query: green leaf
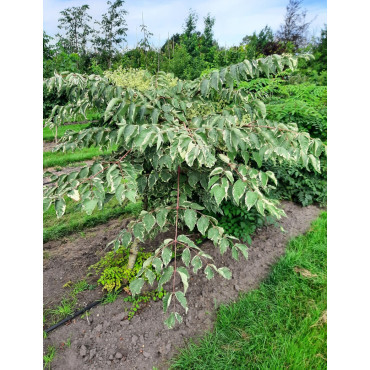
[178, 317]
[150, 275]
[213, 234]
[304, 141]
[186, 256]
[238, 190]
[204, 87]
[234, 253]
[250, 199]
[46, 202]
[60, 207]
[166, 255]
[149, 221]
[166, 301]
[315, 163]
[224, 158]
[157, 263]
[219, 193]
[216, 171]
[243, 248]
[162, 217]
[89, 205]
[213, 180]
[224, 245]
[184, 239]
[190, 217]
[170, 321]
[229, 175]
[184, 274]
[182, 299]
[136, 286]
[260, 207]
[139, 230]
[257, 158]
[263, 178]
[225, 272]
[166, 276]
[196, 262]
[271, 175]
[203, 224]
[126, 239]
[209, 272]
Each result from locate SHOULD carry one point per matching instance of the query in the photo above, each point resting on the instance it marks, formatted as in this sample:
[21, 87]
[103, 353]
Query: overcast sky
[234, 18]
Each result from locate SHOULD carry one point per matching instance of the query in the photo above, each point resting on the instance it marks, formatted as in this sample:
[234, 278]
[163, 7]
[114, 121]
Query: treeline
[85, 49]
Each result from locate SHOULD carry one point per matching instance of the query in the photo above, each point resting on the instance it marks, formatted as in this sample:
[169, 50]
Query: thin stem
[177, 220]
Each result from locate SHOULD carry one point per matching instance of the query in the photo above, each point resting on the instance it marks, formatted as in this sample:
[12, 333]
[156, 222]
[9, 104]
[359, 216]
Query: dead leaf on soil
[304, 272]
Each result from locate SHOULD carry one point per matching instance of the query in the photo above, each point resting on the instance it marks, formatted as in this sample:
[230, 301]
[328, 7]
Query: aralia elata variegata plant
[182, 149]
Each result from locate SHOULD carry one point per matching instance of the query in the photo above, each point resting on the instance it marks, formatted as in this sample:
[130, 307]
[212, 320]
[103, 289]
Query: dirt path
[48, 145]
[112, 342]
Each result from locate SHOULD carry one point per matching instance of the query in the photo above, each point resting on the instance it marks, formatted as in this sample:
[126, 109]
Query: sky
[234, 18]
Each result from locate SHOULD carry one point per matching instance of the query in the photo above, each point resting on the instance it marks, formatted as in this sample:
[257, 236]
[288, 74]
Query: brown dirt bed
[110, 341]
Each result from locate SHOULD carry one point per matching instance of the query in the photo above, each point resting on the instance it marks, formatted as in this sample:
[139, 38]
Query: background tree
[75, 23]
[144, 43]
[295, 27]
[208, 47]
[262, 44]
[112, 31]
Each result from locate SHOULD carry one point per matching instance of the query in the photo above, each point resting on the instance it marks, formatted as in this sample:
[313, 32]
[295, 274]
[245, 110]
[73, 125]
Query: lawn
[62, 159]
[74, 220]
[280, 325]
[49, 135]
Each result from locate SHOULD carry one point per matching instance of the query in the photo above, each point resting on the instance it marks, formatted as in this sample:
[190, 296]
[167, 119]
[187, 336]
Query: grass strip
[280, 325]
[52, 159]
[74, 220]
[49, 135]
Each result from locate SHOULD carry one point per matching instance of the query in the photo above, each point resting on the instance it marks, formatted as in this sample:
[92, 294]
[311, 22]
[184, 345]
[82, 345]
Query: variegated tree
[182, 148]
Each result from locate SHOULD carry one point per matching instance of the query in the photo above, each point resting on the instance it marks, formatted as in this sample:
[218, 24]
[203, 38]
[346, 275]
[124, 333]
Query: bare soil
[48, 146]
[109, 341]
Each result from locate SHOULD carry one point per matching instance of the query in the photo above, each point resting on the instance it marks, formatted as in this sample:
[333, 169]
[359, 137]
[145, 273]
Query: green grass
[278, 326]
[49, 357]
[74, 220]
[49, 135]
[63, 159]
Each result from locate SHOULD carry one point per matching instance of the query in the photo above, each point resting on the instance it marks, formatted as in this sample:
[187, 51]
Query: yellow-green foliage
[113, 268]
[139, 79]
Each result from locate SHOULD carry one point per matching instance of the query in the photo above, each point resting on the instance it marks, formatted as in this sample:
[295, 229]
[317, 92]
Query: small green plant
[49, 357]
[64, 309]
[113, 268]
[240, 222]
[80, 286]
[111, 296]
[143, 298]
[85, 314]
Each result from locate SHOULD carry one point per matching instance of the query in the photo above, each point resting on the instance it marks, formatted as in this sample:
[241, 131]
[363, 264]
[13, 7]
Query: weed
[64, 310]
[111, 297]
[80, 286]
[143, 298]
[49, 357]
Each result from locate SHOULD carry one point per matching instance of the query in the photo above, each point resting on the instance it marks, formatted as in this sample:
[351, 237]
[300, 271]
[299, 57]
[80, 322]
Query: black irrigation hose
[68, 318]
